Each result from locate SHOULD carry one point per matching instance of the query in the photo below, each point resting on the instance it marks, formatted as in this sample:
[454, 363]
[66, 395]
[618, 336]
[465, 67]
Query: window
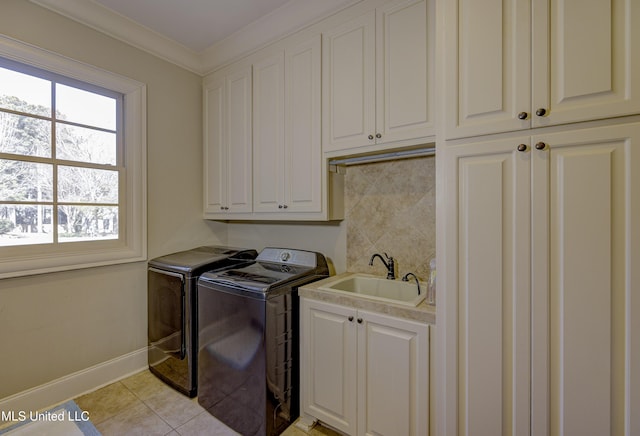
[72, 171]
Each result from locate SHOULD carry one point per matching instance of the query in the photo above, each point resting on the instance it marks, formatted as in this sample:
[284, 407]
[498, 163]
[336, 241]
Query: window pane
[24, 93]
[25, 181]
[82, 223]
[85, 145]
[25, 224]
[87, 185]
[24, 135]
[84, 107]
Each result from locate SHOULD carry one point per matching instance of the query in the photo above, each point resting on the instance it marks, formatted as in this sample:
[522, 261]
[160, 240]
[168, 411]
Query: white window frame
[132, 243]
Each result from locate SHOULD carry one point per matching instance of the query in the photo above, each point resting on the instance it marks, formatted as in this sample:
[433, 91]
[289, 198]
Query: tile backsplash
[390, 208]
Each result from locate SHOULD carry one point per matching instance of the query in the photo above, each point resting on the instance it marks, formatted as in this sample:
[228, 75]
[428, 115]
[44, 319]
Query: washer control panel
[288, 256]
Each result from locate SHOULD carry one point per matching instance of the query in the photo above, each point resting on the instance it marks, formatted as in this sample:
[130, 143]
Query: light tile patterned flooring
[144, 405]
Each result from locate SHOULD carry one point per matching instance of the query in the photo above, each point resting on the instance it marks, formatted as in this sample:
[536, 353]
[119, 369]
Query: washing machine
[248, 359]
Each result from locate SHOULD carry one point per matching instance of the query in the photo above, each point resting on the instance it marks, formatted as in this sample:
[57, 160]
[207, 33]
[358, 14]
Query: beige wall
[326, 238]
[56, 324]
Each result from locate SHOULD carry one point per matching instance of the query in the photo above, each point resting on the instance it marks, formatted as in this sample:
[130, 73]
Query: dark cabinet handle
[359, 320]
[541, 146]
[351, 319]
[541, 112]
[371, 137]
[378, 135]
[523, 115]
[522, 147]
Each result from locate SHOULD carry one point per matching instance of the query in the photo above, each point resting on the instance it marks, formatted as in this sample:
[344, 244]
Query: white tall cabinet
[533, 63]
[364, 373]
[538, 246]
[541, 303]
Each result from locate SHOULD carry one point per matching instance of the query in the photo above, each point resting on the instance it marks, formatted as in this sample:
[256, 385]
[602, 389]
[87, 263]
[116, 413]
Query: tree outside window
[61, 168]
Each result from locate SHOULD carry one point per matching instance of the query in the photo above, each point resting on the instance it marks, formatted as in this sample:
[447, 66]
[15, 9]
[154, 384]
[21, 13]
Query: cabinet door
[238, 140]
[488, 290]
[585, 60]
[328, 372]
[405, 68]
[488, 68]
[349, 84]
[303, 148]
[215, 156]
[586, 311]
[268, 134]
[393, 376]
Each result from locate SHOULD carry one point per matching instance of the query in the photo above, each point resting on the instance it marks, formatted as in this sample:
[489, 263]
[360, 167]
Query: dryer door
[166, 312]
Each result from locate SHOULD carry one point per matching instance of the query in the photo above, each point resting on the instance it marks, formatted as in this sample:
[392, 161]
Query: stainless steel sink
[377, 288]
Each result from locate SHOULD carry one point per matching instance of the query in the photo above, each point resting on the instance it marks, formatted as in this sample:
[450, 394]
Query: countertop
[423, 312]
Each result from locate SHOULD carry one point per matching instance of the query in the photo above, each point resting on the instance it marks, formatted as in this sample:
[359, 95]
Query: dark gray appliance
[248, 315]
[172, 310]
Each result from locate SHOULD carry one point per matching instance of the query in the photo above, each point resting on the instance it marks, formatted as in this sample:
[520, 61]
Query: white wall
[57, 324]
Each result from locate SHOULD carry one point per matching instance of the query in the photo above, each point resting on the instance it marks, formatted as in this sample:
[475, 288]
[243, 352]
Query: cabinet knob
[285, 206]
[279, 206]
[541, 112]
[378, 135]
[370, 137]
[522, 147]
[350, 319]
[359, 320]
[523, 115]
[541, 146]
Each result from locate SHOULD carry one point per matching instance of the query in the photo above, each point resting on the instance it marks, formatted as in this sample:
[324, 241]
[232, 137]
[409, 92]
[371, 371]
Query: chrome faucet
[406, 279]
[389, 265]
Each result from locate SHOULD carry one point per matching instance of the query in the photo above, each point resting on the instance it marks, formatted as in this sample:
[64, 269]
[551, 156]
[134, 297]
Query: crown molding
[106, 21]
[286, 20]
[289, 18]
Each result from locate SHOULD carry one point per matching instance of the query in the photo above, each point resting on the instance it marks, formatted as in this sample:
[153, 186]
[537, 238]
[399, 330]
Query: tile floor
[143, 405]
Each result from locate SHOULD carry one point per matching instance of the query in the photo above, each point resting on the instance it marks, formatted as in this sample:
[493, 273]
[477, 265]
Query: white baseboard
[76, 384]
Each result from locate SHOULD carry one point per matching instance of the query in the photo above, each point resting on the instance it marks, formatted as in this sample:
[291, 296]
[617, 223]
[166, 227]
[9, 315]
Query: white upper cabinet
[378, 78]
[268, 133]
[516, 64]
[349, 84]
[263, 151]
[227, 132]
[305, 173]
[288, 176]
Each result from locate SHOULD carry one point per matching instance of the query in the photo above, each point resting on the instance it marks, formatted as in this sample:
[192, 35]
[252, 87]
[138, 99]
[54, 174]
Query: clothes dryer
[172, 310]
